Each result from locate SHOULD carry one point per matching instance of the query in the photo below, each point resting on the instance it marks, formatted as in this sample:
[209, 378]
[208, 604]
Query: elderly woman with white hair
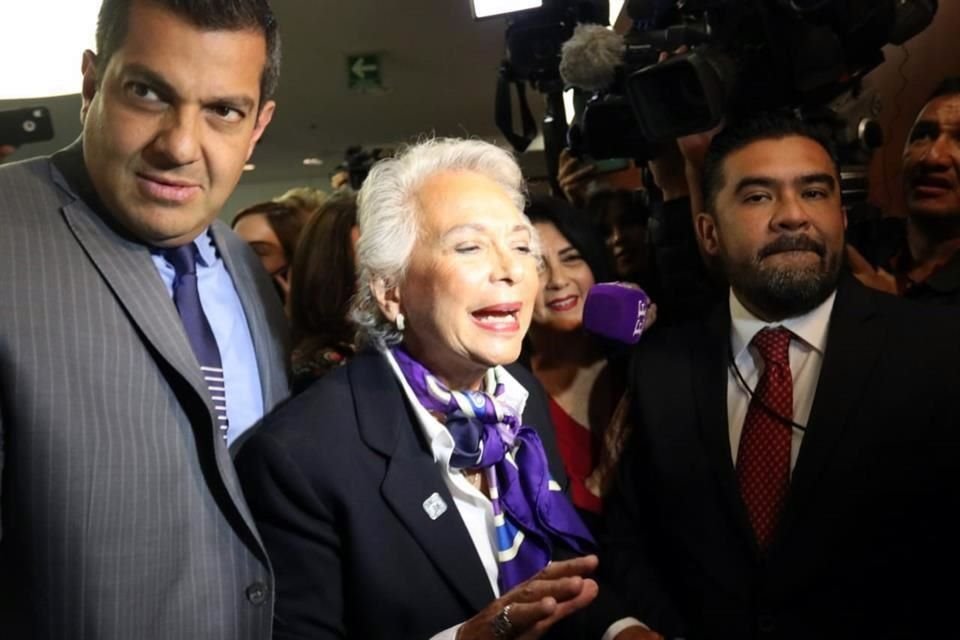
[412, 493]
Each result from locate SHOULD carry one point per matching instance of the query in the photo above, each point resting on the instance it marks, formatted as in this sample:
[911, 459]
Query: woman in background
[322, 282]
[272, 229]
[584, 383]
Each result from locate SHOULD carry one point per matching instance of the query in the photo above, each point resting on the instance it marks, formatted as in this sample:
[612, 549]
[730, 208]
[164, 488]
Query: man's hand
[573, 178]
[5, 151]
[868, 275]
[540, 602]
[668, 171]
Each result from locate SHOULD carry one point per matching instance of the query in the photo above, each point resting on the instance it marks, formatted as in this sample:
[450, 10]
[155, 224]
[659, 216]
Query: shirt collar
[811, 327]
[439, 439]
[206, 249]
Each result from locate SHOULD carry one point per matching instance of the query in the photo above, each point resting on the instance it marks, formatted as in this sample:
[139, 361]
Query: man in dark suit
[793, 470]
[138, 335]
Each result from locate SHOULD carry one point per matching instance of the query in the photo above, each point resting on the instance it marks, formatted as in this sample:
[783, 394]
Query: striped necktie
[186, 297]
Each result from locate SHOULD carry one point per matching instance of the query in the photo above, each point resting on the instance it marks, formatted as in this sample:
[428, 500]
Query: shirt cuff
[621, 624]
[451, 633]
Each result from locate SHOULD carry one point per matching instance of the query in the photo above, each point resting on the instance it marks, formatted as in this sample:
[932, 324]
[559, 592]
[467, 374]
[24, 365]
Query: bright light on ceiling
[42, 45]
[615, 7]
[489, 8]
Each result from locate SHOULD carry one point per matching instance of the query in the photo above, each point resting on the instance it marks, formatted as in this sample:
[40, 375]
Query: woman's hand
[534, 606]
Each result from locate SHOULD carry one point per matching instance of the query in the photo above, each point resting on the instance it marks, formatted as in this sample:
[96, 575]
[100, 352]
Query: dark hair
[213, 15]
[739, 135]
[323, 277]
[575, 226]
[949, 86]
[286, 220]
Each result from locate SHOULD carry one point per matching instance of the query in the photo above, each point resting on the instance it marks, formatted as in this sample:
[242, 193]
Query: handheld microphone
[616, 310]
[589, 59]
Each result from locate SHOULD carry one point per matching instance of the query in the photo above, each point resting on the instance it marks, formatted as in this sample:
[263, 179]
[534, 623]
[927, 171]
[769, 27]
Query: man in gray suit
[121, 512]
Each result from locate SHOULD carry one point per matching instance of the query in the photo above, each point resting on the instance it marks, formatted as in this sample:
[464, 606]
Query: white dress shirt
[806, 357]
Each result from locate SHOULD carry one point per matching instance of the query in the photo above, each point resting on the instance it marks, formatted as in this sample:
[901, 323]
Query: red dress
[576, 446]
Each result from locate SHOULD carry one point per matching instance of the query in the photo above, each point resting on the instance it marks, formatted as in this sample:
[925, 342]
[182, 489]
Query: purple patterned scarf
[530, 517]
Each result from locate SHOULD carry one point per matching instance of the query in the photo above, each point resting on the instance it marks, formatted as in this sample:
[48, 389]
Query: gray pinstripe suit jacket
[121, 512]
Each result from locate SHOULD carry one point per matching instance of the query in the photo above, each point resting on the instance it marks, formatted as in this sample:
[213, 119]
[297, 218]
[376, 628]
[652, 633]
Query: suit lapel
[850, 356]
[710, 354]
[386, 425]
[129, 271]
[131, 274]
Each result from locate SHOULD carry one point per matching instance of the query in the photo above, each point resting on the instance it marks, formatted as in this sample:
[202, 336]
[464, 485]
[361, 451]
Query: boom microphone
[616, 310]
[589, 59]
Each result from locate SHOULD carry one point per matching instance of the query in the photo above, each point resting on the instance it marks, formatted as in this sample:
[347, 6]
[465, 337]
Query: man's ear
[88, 67]
[388, 299]
[263, 119]
[706, 227]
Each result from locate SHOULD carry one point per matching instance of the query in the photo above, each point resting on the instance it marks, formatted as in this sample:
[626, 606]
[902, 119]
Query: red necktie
[763, 460]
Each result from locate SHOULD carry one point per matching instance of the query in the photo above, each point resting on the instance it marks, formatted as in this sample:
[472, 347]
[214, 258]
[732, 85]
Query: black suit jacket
[336, 479]
[870, 524]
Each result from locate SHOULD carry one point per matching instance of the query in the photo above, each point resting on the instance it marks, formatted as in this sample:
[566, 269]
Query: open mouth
[500, 317]
[566, 303]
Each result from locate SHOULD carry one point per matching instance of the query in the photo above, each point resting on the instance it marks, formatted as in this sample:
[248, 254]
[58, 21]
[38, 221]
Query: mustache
[792, 243]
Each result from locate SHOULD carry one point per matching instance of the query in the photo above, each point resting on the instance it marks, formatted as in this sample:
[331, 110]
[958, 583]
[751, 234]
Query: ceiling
[439, 69]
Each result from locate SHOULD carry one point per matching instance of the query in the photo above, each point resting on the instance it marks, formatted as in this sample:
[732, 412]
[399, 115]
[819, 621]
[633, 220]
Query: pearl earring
[400, 323]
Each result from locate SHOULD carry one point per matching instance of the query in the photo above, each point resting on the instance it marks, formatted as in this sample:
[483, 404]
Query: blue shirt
[221, 305]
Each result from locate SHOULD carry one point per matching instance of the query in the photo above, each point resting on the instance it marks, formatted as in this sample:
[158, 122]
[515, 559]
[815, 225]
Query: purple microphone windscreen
[616, 311]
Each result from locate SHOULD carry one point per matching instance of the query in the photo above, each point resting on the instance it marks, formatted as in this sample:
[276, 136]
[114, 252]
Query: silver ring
[502, 627]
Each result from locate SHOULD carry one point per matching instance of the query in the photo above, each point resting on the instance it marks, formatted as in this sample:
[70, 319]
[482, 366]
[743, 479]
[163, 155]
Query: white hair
[388, 218]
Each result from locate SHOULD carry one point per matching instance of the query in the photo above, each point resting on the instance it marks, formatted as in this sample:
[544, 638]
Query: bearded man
[792, 472]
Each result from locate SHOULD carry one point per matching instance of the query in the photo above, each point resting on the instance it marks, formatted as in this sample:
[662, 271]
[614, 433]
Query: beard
[780, 292]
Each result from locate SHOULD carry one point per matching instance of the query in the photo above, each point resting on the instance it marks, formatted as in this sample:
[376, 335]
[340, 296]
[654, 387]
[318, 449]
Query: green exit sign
[363, 72]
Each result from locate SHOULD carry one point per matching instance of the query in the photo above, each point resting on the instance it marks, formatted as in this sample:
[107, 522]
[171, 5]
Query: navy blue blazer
[336, 479]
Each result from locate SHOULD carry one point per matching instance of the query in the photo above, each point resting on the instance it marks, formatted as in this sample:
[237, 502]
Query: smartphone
[23, 126]
[610, 165]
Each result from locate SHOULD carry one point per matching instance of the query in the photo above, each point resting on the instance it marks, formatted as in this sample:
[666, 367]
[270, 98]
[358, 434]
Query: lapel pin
[434, 506]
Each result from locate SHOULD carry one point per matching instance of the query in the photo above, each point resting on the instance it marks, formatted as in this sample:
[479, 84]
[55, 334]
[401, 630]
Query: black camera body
[357, 163]
[534, 38]
[741, 57]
